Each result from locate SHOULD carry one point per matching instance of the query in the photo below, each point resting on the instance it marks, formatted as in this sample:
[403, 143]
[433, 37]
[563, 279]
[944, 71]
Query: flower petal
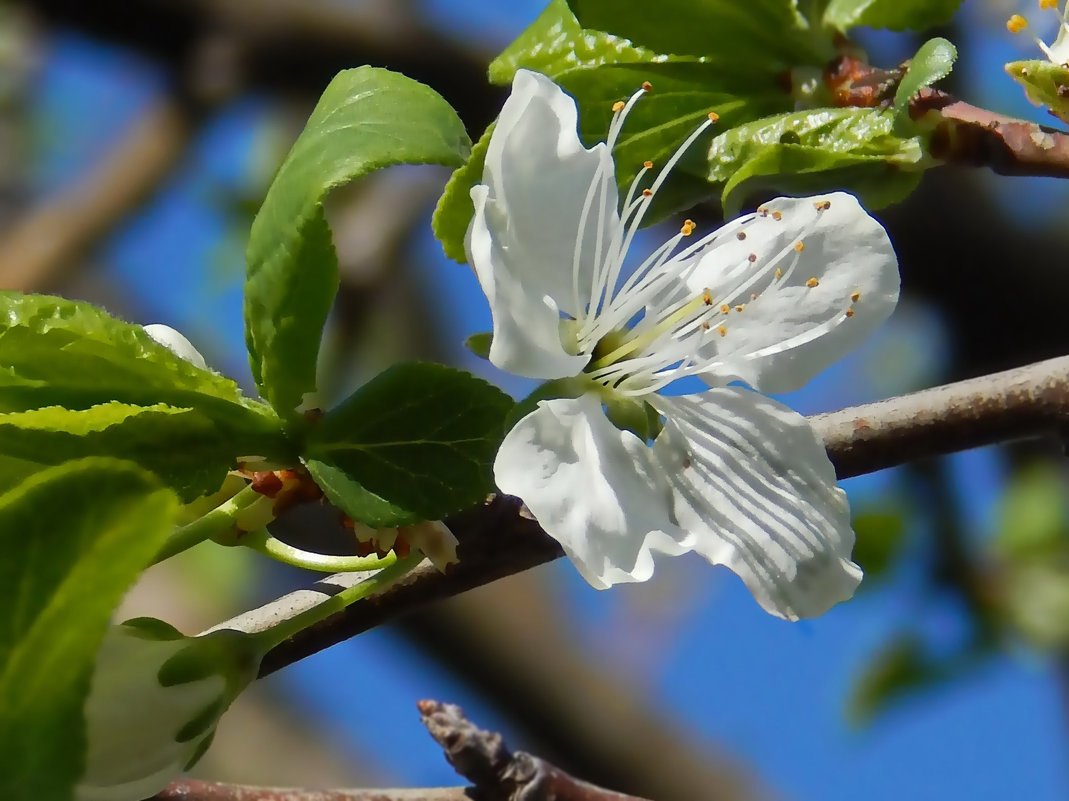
[527, 322]
[537, 179]
[753, 485]
[592, 488]
[799, 324]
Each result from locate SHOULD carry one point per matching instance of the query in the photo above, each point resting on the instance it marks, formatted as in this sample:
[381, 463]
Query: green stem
[282, 631]
[215, 522]
[262, 542]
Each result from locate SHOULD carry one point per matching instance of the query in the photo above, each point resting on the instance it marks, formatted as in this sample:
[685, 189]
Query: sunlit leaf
[367, 119]
[73, 537]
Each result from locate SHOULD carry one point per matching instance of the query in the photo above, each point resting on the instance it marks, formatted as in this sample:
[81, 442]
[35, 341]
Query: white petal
[753, 485]
[527, 339]
[176, 343]
[529, 216]
[592, 488]
[792, 331]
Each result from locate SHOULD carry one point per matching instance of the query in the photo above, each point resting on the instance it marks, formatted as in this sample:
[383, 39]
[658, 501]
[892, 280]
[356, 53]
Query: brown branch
[975, 137]
[498, 540]
[195, 790]
[497, 773]
[1025, 402]
[36, 248]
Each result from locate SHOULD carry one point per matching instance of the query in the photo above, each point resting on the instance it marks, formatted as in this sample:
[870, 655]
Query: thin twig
[497, 773]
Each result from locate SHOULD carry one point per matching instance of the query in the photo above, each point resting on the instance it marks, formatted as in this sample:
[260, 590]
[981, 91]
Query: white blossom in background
[176, 343]
[769, 299]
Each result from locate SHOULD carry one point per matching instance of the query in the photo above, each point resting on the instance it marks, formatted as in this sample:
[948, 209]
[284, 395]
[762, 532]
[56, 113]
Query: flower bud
[154, 702]
[176, 343]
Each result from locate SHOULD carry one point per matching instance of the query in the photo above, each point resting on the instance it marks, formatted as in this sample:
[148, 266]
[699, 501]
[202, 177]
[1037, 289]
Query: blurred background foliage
[137, 141]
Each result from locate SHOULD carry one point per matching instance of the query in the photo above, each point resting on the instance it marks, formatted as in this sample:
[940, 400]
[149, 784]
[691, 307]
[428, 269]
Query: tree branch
[195, 790]
[497, 773]
[37, 247]
[1025, 402]
[500, 539]
[975, 137]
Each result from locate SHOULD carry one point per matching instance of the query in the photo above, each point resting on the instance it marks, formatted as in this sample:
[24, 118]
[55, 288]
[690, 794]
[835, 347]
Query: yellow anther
[714, 117]
[812, 282]
[741, 235]
[647, 86]
[849, 312]
[777, 216]
[688, 228]
[647, 193]
[648, 165]
[740, 307]
[705, 325]
[707, 298]
[855, 296]
[1016, 23]
[754, 296]
[752, 258]
[822, 205]
[722, 330]
[1045, 4]
[799, 246]
[778, 273]
[618, 106]
[725, 309]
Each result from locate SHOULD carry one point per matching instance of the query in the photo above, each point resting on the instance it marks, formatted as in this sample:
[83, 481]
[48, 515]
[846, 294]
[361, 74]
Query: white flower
[176, 343]
[1057, 52]
[769, 299]
[153, 705]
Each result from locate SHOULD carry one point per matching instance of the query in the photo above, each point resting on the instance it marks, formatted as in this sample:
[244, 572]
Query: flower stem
[262, 542]
[395, 568]
[215, 522]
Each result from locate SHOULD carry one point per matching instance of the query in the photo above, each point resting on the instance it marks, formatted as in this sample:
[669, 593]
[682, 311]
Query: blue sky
[770, 692]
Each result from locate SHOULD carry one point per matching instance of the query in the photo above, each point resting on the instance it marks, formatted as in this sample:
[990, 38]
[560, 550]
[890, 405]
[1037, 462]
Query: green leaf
[455, 209]
[1033, 514]
[769, 34]
[933, 61]
[880, 533]
[74, 537]
[358, 502]
[817, 150]
[57, 352]
[684, 92]
[1045, 84]
[903, 668]
[1036, 594]
[184, 447]
[898, 15]
[480, 344]
[367, 119]
[421, 437]
[556, 43]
